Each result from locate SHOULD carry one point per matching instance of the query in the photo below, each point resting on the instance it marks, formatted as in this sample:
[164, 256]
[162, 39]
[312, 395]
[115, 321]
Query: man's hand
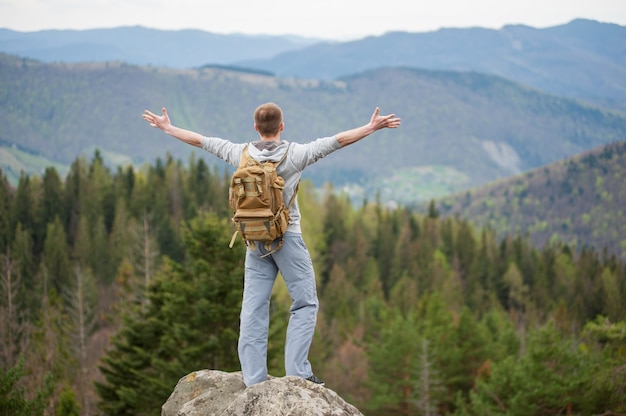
[378, 122]
[163, 123]
[160, 122]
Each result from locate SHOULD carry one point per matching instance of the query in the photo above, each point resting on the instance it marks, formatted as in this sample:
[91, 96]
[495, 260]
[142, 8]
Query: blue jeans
[294, 263]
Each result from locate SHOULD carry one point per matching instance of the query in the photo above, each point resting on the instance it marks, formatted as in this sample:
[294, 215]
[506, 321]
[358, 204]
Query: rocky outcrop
[217, 393]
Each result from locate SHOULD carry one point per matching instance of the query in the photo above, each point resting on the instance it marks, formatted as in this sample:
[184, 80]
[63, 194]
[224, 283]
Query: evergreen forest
[117, 282]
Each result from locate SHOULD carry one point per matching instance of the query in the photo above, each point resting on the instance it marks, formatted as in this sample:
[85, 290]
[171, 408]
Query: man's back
[299, 156]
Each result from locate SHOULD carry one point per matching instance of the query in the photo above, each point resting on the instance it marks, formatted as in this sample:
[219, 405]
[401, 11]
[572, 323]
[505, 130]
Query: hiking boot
[316, 380]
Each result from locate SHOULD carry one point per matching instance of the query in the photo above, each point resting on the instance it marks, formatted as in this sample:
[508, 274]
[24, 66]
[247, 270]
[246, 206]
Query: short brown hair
[268, 118]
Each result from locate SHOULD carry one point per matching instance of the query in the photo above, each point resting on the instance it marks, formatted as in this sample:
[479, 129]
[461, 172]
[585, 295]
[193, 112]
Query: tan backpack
[256, 198]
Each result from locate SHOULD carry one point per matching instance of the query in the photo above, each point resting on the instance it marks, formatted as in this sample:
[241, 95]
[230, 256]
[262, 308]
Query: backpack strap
[245, 156]
[295, 191]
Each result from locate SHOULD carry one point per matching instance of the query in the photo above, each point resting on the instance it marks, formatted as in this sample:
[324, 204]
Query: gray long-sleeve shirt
[299, 157]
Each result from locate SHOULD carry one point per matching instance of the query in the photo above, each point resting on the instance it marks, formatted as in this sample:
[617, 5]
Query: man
[293, 259]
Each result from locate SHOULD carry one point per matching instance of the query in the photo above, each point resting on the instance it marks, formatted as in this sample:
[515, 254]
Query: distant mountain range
[144, 46]
[460, 129]
[583, 59]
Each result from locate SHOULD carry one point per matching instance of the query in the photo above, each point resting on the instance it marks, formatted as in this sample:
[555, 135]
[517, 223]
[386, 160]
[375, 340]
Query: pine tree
[67, 405]
[438, 324]
[190, 322]
[393, 362]
[517, 299]
[99, 197]
[384, 245]
[144, 256]
[55, 265]
[120, 239]
[14, 328]
[403, 251]
[404, 295]
[503, 340]
[23, 210]
[433, 213]
[123, 183]
[50, 352]
[53, 203]
[75, 197]
[82, 251]
[5, 213]
[335, 233]
[81, 298]
[429, 387]
[14, 400]
[340, 300]
[465, 248]
[608, 392]
[24, 259]
[613, 305]
[99, 258]
[469, 354]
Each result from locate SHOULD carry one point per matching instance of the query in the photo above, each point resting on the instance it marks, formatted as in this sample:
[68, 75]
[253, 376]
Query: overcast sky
[331, 19]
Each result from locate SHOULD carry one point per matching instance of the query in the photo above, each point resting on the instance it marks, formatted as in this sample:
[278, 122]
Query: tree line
[118, 282]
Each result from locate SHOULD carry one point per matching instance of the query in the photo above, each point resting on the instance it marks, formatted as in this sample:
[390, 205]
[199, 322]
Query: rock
[217, 393]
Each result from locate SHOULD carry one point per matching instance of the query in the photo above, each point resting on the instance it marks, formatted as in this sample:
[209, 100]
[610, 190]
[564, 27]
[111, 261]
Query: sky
[327, 19]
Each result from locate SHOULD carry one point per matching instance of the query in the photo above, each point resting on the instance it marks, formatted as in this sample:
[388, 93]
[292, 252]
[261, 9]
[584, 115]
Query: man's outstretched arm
[376, 123]
[163, 122]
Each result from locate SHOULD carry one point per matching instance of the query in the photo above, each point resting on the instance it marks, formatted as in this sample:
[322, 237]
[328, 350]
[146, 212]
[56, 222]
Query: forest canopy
[122, 280]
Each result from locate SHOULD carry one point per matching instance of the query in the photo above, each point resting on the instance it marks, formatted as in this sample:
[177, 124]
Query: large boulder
[217, 393]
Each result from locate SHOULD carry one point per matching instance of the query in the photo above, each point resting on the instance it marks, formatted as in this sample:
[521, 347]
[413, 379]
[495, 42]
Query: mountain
[143, 46]
[579, 201]
[460, 129]
[583, 59]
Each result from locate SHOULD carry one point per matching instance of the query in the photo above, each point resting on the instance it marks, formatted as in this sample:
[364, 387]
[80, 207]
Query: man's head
[268, 119]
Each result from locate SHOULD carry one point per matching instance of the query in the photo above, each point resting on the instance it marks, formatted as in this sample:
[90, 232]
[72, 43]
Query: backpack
[256, 199]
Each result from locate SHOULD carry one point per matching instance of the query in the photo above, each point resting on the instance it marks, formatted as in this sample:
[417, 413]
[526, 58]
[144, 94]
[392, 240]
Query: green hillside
[15, 162]
[460, 129]
[580, 201]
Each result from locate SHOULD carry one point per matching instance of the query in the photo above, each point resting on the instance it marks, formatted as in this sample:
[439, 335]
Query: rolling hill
[580, 201]
[460, 129]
